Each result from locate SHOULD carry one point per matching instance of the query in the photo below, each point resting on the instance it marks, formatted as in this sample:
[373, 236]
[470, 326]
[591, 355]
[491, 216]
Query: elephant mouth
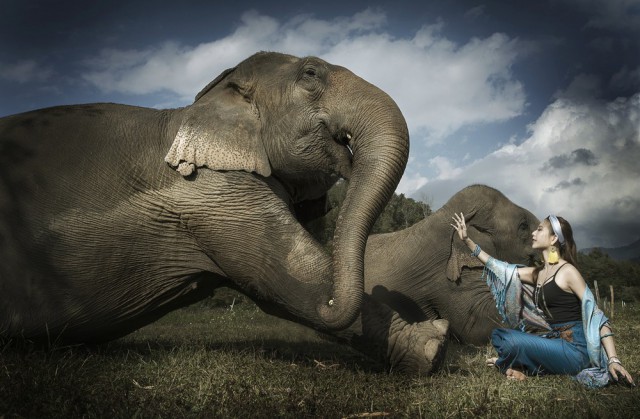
[530, 260]
[344, 163]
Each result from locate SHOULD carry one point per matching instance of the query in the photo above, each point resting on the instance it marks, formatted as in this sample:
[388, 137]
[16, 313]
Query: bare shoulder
[569, 271]
[570, 279]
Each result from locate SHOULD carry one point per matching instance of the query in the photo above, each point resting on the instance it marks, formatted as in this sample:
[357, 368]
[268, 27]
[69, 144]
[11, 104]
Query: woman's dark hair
[568, 250]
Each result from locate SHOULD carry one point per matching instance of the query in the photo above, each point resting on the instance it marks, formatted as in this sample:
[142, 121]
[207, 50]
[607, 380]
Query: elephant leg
[251, 234]
[382, 334]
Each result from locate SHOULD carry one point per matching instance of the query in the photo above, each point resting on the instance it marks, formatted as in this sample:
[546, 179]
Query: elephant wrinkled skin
[112, 215]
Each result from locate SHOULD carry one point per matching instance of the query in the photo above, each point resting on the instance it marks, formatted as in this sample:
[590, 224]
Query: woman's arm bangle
[476, 251]
[614, 360]
[606, 335]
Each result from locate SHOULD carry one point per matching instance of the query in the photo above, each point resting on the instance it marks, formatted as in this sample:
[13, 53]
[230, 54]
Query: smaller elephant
[429, 279]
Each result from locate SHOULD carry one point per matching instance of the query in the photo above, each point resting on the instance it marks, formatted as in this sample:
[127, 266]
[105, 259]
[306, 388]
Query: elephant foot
[382, 334]
[418, 348]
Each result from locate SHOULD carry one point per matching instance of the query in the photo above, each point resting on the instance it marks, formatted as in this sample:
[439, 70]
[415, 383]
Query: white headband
[555, 225]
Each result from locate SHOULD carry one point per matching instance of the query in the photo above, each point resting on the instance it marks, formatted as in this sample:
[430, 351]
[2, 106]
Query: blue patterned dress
[534, 345]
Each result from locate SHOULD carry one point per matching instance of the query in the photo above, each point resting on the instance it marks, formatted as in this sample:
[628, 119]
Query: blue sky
[540, 99]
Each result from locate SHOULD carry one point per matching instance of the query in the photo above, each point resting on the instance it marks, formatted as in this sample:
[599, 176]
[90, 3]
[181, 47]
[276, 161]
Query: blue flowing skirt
[537, 355]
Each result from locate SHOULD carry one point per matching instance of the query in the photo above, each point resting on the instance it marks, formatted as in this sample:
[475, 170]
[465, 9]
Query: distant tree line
[623, 275]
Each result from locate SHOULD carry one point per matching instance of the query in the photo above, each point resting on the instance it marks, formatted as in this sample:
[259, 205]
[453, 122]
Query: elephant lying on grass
[112, 215]
[424, 272]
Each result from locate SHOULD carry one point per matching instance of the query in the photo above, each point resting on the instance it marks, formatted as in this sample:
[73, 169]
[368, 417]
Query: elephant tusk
[349, 137]
[350, 149]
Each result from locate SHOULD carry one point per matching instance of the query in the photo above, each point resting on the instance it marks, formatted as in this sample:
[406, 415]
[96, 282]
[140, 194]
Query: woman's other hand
[460, 226]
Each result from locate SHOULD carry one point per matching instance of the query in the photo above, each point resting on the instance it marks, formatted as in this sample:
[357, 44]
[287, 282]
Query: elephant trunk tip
[336, 316]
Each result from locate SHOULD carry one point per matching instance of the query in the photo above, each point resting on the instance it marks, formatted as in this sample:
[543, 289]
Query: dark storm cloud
[584, 156]
[566, 184]
[580, 156]
[611, 226]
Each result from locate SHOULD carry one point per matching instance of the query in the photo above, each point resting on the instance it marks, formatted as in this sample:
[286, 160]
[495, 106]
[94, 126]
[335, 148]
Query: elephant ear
[220, 130]
[460, 256]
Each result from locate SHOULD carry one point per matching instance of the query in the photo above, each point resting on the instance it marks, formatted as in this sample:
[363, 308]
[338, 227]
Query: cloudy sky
[539, 98]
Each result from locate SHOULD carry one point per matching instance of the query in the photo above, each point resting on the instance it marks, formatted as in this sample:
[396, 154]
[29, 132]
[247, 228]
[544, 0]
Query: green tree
[624, 276]
[401, 212]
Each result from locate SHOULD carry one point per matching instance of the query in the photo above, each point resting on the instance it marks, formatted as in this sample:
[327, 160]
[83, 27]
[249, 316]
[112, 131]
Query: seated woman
[556, 328]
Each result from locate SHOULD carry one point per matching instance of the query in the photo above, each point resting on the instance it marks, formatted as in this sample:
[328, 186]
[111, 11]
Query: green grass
[214, 362]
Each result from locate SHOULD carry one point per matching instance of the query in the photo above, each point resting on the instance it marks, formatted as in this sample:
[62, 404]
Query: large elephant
[112, 215]
[425, 272]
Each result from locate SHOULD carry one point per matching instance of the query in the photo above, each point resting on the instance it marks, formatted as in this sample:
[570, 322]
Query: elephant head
[433, 274]
[500, 228]
[305, 123]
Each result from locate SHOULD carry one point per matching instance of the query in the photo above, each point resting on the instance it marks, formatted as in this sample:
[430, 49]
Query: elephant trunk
[380, 144]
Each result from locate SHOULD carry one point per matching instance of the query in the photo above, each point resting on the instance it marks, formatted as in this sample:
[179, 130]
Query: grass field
[216, 362]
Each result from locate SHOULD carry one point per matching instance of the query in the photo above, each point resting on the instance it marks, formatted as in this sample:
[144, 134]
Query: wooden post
[595, 285]
[611, 290]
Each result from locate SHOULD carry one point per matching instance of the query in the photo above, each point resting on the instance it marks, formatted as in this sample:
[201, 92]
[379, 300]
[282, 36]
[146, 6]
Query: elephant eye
[310, 77]
[310, 70]
[523, 229]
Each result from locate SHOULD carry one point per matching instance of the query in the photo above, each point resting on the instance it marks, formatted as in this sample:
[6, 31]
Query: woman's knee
[498, 335]
[501, 341]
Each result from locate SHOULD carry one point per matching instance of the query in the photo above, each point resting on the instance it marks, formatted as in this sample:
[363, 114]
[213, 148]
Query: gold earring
[553, 255]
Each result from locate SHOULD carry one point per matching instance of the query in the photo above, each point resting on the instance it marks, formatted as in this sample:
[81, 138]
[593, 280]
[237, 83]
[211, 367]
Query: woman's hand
[460, 226]
[620, 374]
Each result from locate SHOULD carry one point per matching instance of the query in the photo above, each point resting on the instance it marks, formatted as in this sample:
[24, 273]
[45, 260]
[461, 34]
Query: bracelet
[614, 360]
[606, 336]
[476, 251]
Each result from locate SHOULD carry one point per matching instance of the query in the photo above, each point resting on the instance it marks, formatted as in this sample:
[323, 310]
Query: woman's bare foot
[491, 362]
[515, 375]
